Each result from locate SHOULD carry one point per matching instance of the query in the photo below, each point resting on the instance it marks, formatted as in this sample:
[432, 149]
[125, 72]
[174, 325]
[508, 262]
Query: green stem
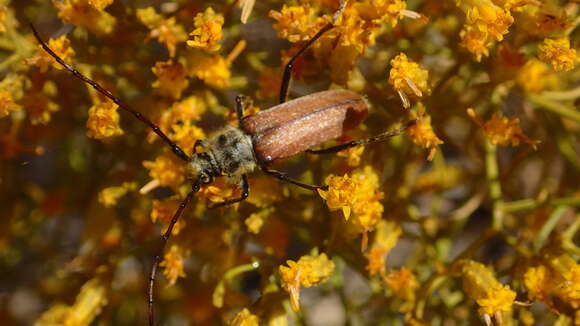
[548, 227]
[555, 107]
[492, 172]
[566, 95]
[530, 203]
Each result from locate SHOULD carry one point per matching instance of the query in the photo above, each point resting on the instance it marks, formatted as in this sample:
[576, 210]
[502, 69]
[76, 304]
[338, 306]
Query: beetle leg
[240, 108]
[245, 185]
[157, 258]
[284, 177]
[379, 137]
[286, 77]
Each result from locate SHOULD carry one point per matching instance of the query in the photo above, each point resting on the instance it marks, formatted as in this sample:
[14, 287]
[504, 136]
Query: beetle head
[200, 168]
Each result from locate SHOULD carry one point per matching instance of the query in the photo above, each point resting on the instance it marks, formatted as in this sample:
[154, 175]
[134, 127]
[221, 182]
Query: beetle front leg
[244, 185]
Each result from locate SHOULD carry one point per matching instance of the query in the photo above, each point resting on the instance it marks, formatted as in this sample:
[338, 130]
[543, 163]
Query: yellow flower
[214, 70]
[39, 106]
[208, 31]
[308, 271]
[480, 284]
[100, 4]
[401, 280]
[173, 263]
[87, 306]
[535, 76]
[296, 23]
[103, 121]
[501, 130]
[386, 236]
[340, 194]
[171, 78]
[408, 78]
[163, 211]
[423, 135]
[189, 109]
[245, 318]
[167, 170]
[255, 221]
[83, 14]
[3, 14]
[109, 197]
[537, 282]
[558, 53]
[484, 23]
[218, 191]
[60, 46]
[166, 31]
[185, 135]
[566, 278]
[357, 196]
[7, 104]
[352, 155]
[387, 10]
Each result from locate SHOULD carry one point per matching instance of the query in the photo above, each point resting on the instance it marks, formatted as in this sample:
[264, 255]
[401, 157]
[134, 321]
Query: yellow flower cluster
[167, 170]
[479, 283]
[536, 76]
[485, 22]
[173, 263]
[408, 78]
[501, 130]
[208, 31]
[7, 103]
[558, 53]
[214, 70]
[109, 197]
[87, 306]
[423, 135]
[357, 28]
[166, 31]
[103, 121]
[162, 211]
[171, 79]
[100, 4]
[308, 271]
[88, 14]
[255, 221]
[357, 196]
[297, 23]
[245, 318]
[60, 46]
[559, 277]
[386, 236]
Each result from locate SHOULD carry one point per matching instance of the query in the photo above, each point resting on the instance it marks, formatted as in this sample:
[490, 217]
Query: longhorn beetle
[277, 133]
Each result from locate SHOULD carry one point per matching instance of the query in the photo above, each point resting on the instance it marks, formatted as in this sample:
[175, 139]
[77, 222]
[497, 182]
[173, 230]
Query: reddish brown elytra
[277, 133]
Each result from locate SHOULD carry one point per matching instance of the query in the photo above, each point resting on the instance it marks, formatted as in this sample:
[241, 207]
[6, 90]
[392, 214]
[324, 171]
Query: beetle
[284, 130]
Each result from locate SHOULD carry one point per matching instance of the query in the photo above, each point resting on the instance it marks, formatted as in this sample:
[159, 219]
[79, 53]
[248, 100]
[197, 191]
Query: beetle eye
[205, 178]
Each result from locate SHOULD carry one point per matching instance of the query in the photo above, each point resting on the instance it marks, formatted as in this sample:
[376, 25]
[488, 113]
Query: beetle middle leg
[377, 138]
[284, 177]
[244, 185]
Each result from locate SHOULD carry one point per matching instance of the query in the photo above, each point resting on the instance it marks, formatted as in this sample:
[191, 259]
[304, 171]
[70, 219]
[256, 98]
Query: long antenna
[174, 147]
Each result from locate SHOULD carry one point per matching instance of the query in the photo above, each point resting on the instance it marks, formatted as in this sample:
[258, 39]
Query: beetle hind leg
[287, 76]
[377, 138]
